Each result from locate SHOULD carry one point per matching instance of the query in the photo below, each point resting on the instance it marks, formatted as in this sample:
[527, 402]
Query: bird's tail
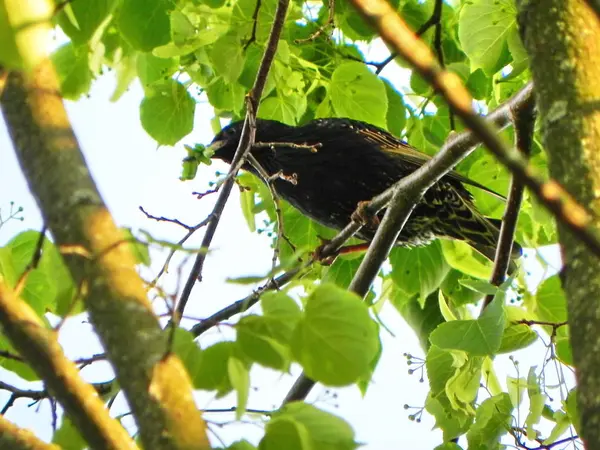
[486, 244]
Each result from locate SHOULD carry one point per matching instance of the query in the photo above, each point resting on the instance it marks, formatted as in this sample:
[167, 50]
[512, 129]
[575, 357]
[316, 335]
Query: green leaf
[453, 423]
[253, 58]
[152, 69]
[463, 258]
[84, 18]
[9, 53]
[479, 85]
[550, 304]
[358, 93]
[20, 368]
[227, 56]
[440, 368]
[456, 287]
[126, 71]
[396, 111]
[240, 380]
[280, 108]
[241, 445]
[423, 320]
[516, 388]
[483, 29]
[167, 113]
[336, 340]
[73, 71]
[145, 24]
[189, 353]
[477, 337]
[492, 421]
[248, 204]
[448, 446]
[516, 336]
[302, 426]
[226, 96]
[490, 173]
[464, 384]
[256, 340]
[47, 283]
[285, 433]
[214, 369]
[67, 436]
[303, 232]
[352, 24]
[418, 270]
[572, 408]
[342, 271]
[140, 250]
[562, 424]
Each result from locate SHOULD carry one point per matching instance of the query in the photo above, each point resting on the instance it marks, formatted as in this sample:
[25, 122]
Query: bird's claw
[363, 216]
[325, 260]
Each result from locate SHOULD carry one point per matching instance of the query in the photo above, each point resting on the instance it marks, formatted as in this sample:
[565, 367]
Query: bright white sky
[131, 171]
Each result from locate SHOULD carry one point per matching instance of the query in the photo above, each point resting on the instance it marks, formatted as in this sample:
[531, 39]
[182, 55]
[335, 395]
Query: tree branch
[15, 438]
[524, 121]
[244, 146]
[43, 352]
[75, 214]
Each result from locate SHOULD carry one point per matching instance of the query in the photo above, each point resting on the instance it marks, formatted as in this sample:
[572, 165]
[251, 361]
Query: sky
[131, 171]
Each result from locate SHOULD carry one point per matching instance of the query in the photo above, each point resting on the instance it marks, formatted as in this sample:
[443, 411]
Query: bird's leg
[363, 216]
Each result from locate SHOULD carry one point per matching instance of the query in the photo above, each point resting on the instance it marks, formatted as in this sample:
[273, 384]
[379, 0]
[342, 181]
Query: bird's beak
[216, 145]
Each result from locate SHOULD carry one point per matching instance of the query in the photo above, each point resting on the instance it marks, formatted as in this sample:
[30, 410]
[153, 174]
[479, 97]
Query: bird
[328, 167]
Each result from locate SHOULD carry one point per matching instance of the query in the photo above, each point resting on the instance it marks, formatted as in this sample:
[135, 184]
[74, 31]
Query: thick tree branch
[394, 31]
[157, 388]
[15, 438]
[43, 352]
[244, 146]
[524, 121]
[566, 80]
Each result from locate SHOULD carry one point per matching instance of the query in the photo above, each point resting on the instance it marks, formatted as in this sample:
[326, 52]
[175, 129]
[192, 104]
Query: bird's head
[226, 141]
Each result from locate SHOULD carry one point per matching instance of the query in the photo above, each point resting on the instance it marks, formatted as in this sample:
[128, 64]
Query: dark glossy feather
[355, 162]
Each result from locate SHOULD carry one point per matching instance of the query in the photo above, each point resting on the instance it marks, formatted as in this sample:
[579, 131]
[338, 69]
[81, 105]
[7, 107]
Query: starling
[351, 162]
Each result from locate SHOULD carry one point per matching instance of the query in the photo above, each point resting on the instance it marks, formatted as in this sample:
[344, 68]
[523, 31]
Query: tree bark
[155, 382]
[562, 38]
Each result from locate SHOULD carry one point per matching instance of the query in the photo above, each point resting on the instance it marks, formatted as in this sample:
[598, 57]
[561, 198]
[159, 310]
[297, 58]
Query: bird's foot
[321, 257]
[363, 216]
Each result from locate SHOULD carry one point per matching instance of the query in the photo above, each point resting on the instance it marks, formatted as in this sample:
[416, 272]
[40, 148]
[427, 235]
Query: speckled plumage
[355, 162]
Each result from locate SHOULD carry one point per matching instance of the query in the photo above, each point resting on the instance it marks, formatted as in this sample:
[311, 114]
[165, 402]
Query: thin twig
[165, 266]
[434, 20]
[165, 219]
[245, 144]
[313, 148]
[524, 121]
[323, 28]
[268, 179]
[245, 303]
[254, 25]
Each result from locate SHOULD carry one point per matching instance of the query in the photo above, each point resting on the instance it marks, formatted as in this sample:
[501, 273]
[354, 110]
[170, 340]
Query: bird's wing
[393, 145]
